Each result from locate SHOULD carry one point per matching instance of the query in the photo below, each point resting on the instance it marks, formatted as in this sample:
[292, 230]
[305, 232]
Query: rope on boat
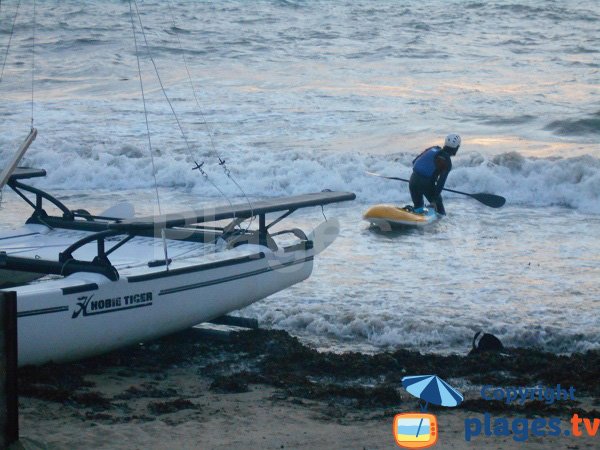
[148, 130]
[12, 29]
[10, 36]
[32, 61]
[209, 132]
[188, 148]
[145, 109]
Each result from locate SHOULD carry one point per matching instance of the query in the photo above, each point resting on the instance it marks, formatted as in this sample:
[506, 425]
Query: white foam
[533, 182]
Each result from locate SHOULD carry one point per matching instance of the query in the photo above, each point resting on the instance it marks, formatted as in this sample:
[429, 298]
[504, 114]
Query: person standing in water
[430, 170]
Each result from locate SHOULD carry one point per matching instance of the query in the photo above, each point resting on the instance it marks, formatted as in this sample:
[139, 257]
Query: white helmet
[452, 141]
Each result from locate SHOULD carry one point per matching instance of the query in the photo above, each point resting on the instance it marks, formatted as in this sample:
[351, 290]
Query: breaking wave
[569, 182]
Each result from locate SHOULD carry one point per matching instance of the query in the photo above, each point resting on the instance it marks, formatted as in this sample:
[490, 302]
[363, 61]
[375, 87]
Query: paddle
[491, 200]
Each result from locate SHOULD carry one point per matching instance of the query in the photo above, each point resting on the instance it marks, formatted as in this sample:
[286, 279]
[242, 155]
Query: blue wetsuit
[430, 170]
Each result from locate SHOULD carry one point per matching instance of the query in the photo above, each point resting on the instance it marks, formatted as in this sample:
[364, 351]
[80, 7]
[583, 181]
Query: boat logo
[88, 306]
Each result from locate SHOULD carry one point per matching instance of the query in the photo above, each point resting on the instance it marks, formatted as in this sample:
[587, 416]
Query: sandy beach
[266, 390]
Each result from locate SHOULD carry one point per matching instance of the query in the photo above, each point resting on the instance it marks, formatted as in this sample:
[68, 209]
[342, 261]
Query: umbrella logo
[420, 430]
[432, 389]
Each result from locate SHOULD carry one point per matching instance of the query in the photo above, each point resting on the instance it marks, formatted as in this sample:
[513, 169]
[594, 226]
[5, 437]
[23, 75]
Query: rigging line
[323, 212]
[210, 136]
[33, 61]
[162, 231]
[200, 109]
[10, 39]
[205, 121]
[145, 109]
[197, 166]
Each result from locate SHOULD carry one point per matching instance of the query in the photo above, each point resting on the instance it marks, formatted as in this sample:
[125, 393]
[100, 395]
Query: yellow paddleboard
[389, 215]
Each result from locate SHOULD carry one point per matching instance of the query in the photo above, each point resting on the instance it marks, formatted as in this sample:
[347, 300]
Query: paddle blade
[491, 200]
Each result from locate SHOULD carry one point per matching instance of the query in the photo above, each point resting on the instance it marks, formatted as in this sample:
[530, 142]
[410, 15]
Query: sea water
[300, 96]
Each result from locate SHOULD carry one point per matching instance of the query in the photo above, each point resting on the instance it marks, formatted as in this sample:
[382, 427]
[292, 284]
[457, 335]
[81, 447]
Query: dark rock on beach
[231, 383]
[351, 381]
[179, 404]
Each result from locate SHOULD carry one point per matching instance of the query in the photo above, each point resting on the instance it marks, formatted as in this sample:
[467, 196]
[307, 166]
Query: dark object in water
[487, 343]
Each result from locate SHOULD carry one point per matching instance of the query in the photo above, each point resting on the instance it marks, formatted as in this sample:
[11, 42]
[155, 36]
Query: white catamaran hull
[87, 314]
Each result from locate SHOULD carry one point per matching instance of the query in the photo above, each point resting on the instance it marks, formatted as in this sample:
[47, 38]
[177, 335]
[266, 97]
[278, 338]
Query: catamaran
[89, 283]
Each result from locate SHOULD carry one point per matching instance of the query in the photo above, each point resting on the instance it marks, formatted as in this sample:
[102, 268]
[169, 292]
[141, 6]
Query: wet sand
[266, 390]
